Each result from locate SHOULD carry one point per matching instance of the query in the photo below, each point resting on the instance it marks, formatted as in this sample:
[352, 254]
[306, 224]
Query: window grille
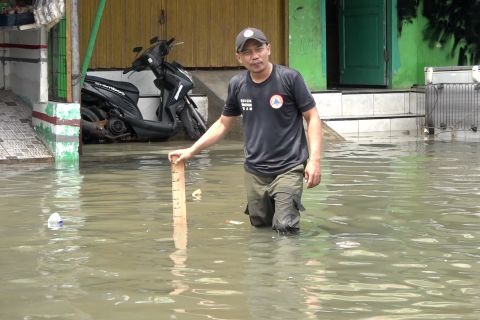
[57, 62]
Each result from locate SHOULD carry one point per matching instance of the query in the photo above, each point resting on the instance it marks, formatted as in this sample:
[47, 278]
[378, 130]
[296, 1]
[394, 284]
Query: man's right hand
[181, 155]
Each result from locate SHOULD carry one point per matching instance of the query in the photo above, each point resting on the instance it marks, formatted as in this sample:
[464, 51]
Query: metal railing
[57, 62]
[452, 106]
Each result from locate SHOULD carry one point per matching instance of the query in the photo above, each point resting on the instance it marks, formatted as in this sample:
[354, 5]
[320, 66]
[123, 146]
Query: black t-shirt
[275, 139]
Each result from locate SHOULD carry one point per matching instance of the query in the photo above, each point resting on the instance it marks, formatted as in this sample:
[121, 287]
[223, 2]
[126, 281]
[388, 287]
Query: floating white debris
[197, 194]
[55, 221]
[425, 240]
[234, 222]
[348, 244]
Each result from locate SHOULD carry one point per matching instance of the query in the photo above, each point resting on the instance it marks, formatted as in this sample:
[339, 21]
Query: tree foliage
[446, 20]
[407, 11]
[457, 19]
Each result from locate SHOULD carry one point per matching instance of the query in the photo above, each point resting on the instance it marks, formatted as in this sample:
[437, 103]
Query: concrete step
[384, 123]
[367, 110]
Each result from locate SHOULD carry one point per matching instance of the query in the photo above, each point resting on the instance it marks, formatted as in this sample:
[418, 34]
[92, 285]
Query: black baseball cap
[247, 34]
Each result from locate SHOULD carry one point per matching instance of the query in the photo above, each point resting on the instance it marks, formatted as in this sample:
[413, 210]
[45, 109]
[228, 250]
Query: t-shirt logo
[276, 101]
[246, 104]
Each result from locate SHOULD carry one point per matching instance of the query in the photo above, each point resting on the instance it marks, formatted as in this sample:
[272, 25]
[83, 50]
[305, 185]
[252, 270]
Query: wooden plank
[84, 23]
[202, 16]
[222, 49]
[178, 192]
[134, 31]
[115, 32]
[179, 204]
[101, 50]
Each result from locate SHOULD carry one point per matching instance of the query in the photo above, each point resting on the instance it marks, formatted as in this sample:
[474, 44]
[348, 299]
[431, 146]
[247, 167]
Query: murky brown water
[392, 233]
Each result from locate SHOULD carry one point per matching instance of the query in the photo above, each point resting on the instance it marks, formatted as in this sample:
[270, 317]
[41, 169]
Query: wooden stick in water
[178, 192]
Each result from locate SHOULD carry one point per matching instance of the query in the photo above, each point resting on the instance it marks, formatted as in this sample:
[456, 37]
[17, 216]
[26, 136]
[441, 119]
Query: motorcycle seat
[122, 85]
[130, 89]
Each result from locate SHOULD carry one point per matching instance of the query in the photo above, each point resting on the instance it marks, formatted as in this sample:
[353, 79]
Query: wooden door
[207, 29]
[125, 24]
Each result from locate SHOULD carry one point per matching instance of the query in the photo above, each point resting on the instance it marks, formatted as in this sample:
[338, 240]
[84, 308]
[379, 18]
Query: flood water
[391, 233]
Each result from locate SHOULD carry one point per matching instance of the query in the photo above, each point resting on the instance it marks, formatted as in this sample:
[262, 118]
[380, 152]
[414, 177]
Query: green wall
[411, 53]
[307, 45]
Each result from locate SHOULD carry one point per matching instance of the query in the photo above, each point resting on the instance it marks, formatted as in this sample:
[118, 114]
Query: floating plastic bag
[55, 221]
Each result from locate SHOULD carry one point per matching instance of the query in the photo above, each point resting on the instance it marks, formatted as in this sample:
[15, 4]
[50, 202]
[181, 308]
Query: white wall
[25, 66]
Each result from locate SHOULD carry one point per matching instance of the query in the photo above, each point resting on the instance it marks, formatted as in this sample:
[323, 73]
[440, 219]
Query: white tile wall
[336, 104]
[357, 104]
[401, 124]
[374, 125]
[417, 103]
[329, 104]
[389, 103]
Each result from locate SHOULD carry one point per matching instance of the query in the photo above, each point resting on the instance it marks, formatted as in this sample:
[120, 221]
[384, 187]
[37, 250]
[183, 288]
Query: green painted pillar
[307, 41]
[58, 126]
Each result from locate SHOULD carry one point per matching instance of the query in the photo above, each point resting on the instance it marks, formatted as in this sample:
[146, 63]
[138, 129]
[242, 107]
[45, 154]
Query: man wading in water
[273, 100]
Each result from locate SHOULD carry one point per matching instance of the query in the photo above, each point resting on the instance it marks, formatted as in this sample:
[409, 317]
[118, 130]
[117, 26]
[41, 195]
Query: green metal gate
[57, 62]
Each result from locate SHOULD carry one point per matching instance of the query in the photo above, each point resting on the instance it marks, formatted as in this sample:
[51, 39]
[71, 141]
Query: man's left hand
[313, 174]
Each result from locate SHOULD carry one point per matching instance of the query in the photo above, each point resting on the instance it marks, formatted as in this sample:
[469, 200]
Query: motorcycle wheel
[191, 122]
[88, 115]
[90, 118]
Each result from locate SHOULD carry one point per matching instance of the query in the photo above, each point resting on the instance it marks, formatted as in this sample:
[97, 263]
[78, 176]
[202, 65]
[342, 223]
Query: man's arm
[313, 170]
[216, 132]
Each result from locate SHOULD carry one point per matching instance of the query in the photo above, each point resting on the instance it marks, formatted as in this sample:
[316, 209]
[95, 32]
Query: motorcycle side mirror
[153, 40]
[137, 51]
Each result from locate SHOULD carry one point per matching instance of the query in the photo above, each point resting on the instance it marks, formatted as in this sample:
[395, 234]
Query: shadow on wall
[447, 19]
[214, 84]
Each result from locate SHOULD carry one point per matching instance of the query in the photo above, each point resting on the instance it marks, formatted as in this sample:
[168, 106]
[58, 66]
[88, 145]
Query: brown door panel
[207, 29]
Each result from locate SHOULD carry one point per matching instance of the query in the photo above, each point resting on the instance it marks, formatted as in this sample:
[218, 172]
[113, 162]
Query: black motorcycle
[110, 109]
